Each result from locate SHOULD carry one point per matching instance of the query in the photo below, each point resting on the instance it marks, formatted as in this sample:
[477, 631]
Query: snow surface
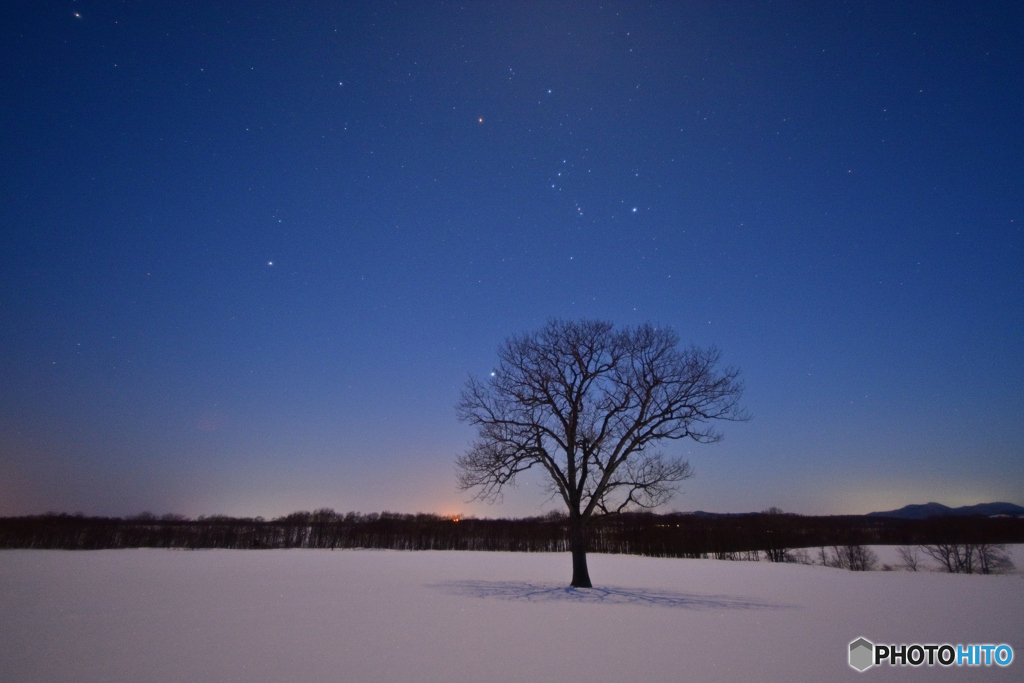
[375, 615]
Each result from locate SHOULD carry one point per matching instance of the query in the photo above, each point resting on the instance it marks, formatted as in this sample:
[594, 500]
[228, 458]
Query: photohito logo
[864, 654]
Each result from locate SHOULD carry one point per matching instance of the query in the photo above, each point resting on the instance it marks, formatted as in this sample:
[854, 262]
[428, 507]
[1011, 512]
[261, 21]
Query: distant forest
[770, 534]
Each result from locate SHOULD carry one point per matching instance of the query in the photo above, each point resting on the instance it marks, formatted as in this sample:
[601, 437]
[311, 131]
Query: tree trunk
[580, 575]
[578, 546]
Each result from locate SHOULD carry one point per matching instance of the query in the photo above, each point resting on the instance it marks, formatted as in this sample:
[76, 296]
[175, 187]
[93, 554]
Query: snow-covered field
[371, 615]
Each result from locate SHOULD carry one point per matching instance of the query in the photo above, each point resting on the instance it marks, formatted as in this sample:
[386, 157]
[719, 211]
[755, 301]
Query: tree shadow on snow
[521, 591]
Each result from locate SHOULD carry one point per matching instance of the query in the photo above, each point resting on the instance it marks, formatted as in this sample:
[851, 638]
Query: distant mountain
[938, 510]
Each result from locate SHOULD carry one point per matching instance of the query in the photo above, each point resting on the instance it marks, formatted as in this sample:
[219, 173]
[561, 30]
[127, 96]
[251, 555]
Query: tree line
[772, 535]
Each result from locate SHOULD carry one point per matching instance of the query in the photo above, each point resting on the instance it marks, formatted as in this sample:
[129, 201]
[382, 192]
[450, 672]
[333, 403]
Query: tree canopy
[590, 405]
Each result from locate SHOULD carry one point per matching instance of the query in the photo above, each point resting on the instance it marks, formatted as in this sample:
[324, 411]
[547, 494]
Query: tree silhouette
[588, 404]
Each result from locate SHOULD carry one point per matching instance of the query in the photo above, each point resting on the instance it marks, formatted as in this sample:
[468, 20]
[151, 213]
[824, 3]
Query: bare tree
[909, 555]
[587, 404]
[970, 558]
[855, 557]
[778, 554]
[955, 558]
[993, 558]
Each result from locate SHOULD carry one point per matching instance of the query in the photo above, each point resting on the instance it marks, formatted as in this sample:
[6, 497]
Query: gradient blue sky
[252, 251]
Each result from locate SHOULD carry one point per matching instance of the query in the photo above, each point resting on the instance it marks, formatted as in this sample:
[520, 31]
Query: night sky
[251, 252]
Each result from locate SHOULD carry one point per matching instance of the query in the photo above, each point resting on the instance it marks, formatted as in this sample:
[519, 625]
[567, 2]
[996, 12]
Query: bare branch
[586, 403]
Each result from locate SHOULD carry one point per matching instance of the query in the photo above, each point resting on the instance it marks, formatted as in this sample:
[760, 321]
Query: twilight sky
[252, 251]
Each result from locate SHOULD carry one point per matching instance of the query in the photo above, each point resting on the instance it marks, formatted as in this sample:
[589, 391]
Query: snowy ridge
[939, 510]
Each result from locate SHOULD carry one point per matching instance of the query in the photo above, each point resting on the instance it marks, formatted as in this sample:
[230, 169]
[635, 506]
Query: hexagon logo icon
[862, 653]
